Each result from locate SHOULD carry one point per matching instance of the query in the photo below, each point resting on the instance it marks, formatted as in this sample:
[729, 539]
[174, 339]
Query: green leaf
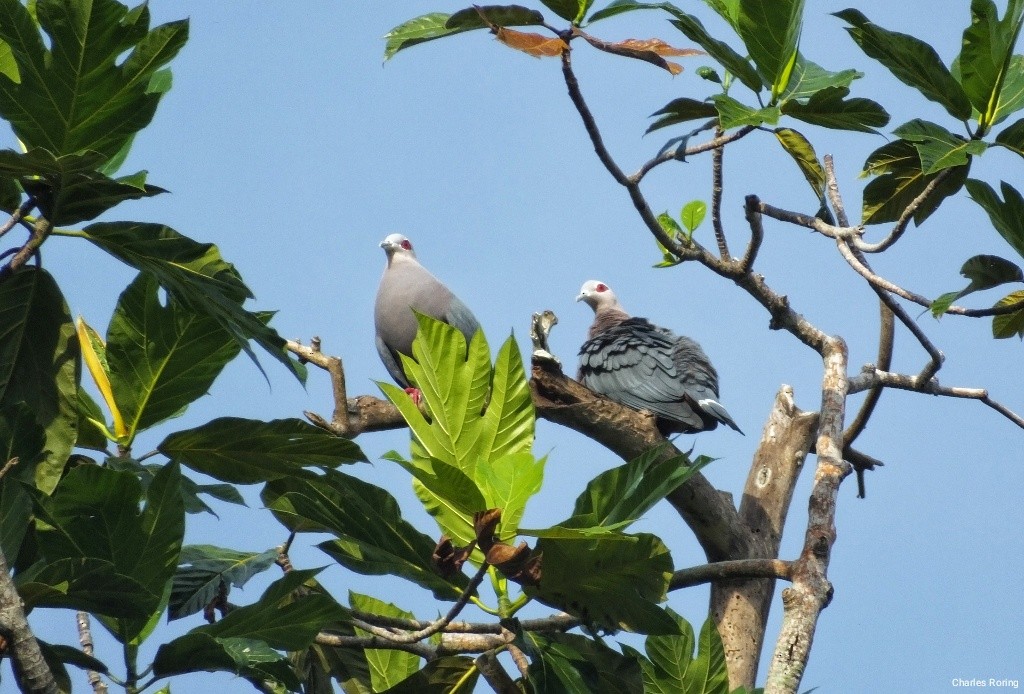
[732, 113]
[39, 363]
[387, 667]
[509, 420]
[830, 108]
[22, 438]
[674, 668]
[693, 214]
[608, 584]
[247, 451]
[985, 56]
[77, 92]
[1009, 324]
[937, 147]
[770, 30]
[1012, 137]
[93, 585]
[726, 56]
[161, 358]
[372, 537]
[92, 427]
[437, 25]
[571, 10]
[1011, 96]
[808, 79]
[575, 663]
[802, 151]
[681, 110]
[910, 60]
[625, 493]
[196, 274]
[205, 570]
[1007, 215]
[942, 303]
[198, 651]
[444, 674]
[618, 7]
[900, 181]
[984, 272]
[507, 483]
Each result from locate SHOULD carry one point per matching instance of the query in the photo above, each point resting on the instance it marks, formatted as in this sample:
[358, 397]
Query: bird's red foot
[416, 395]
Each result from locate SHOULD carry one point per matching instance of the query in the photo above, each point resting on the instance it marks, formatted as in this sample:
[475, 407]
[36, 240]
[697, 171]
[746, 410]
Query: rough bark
[30, 670]
[811, 591]
[740, 606]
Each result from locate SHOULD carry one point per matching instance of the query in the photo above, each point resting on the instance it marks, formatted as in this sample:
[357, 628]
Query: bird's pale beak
[581, 296]
[383, 244]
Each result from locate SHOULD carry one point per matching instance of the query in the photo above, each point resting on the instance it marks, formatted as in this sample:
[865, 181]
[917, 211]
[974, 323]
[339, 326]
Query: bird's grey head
[598, 295]
[397, 245]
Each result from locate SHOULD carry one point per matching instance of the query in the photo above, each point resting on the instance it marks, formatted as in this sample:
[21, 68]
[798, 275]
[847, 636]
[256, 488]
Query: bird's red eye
[406, 244]
[601, 287]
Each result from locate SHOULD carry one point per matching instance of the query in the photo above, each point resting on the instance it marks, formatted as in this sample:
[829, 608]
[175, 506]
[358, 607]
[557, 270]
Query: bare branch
[908, 214]
[811, 592]
[886, 338]
[85, 639]
[17, 215]
[710, 145]
[756, 237]
[41, 230]
[725, 570]
[494, 674]
[717, 155]
[31, 672]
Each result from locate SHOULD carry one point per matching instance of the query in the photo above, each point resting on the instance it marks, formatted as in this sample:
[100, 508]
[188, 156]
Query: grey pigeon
[646, 367]
[407, 285]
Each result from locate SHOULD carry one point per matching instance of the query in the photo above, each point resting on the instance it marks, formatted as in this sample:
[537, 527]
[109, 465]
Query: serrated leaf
[248, 451]
[39, 363]
[733, 114]
[936, 147]
[436, 25]
[508, 483]
[197, 275]
[910, 60]
[681, 110]
[673, 666]
[608, 584]
[388, 667]
[161, 358]
[372, 537]
[726, 56]
[1009, 324]
[830, 108]
[802, 152]
[985, 55]
[77, 90]
[203, 569]
[770, 30]
[1006, 215]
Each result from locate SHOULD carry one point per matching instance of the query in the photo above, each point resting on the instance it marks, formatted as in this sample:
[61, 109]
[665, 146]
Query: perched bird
[646, 367]
[407, 285]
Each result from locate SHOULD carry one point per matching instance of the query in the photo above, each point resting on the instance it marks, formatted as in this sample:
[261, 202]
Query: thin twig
[737, 568]
[904, 221]
[756, 236]
[717, 155]
[17, 215]
[85, 639]
[7, 466]
[40, 232]
[710, 145]
[340, 423]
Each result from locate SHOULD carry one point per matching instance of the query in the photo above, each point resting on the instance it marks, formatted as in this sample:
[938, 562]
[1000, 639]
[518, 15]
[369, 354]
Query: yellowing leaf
[94, 355]
[657, 46]
[532, 44]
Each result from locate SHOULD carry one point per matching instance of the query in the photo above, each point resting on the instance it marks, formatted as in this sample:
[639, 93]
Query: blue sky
[287, 142]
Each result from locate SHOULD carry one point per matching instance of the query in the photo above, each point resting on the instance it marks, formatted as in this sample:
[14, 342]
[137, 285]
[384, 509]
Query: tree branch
[494, 674]
[730, 570]
[710, 145]
[41, 230]
[30, 669]
[85, 639]
[717, 155]
[811, 591]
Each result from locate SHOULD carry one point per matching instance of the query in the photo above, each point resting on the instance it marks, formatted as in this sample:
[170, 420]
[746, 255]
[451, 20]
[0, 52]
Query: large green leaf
[39, 363]
[802, 152]
[936, 147]
[77, 91]
[67, 189]
[608, 583]
[770, 30]
[161, 358]
[1006, 215]
[681, 110]
[984, 272]
[197, 275]
[575, 663]
[372, 537]
[571, 10]
[204, 571]
[732, 113]
[508, 422]
[437, 25]
[673, 667]
[387, 667]
[985, 56]
[625, 493]
[1012, 137]
[809, 78]
[1009, 324]
[198, 651]
[445, 674]
[830, 108]
[720, 51]
[910, 60]
[94, 514]
[21, 437]
[508, 483]
[93, 585]
[248, 451]
[900, 181]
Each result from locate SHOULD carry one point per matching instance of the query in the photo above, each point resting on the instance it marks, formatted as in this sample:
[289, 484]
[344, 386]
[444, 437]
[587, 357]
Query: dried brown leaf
[657, 46]
[448, 559]
[648, 50]
[532, 44]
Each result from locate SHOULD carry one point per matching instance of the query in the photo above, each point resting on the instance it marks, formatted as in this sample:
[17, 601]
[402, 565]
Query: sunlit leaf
[900, 181]
[437, 25]
[937, 147]
[808, 78]
[770, 29]
[733, 114]
[444, 674]
[985, 56]
[1009, 324]
[726, 56]
[387, 667]
[802, 151]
